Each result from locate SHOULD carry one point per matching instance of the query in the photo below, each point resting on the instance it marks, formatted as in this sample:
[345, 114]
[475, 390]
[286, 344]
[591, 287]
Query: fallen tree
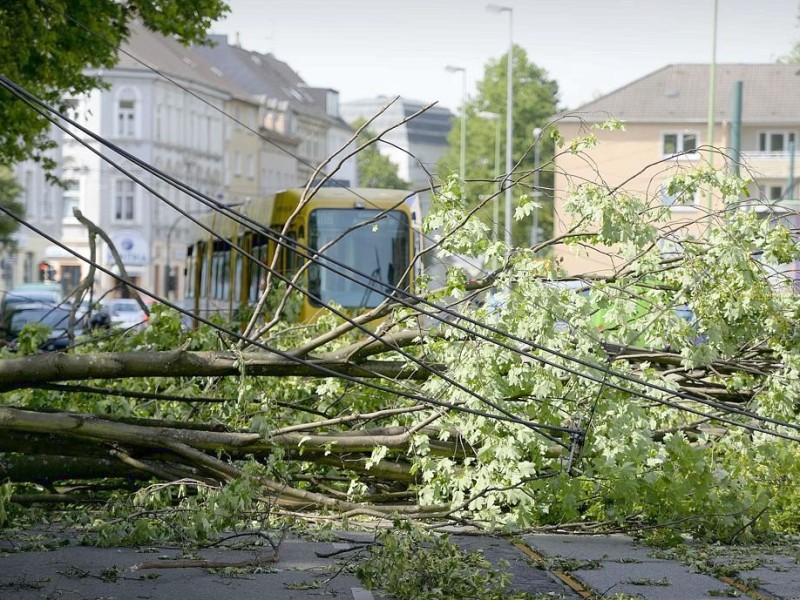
[559, 403]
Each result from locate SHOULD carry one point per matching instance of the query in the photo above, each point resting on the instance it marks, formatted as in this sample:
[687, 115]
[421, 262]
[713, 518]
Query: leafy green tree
[534, 104]
[793, 56]
[9, 200]
[374, 169]
[574, 399]
[46, 45]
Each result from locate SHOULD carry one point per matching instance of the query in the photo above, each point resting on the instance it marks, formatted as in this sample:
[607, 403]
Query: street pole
[509, 115]
[490, 116]
[537, 135]
[712, 94]
[462, 168]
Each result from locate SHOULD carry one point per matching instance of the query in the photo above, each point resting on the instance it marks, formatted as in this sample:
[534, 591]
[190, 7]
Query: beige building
[666, 130]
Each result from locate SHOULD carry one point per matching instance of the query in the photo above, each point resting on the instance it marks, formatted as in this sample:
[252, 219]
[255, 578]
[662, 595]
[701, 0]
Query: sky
[370, 48]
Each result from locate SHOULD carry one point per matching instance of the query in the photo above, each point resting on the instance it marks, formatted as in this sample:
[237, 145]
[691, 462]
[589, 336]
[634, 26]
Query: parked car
[56, 317]
[125, 313]
[27, 293]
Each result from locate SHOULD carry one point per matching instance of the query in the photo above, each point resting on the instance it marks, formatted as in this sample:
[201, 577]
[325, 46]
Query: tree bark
[29, 371]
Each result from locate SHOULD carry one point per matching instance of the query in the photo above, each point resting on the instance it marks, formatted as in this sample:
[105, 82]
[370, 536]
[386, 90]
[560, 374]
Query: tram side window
[257, 273]
[204, 271]
[238, 273]
[291, 260]
[215, 275]
[189, 276]
[221, 274]
[226, 276]
[400, 258]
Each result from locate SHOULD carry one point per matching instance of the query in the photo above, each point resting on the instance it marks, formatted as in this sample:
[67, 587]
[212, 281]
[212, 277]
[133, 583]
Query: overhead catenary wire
[239, 122]
[396, 291]
[507, 415]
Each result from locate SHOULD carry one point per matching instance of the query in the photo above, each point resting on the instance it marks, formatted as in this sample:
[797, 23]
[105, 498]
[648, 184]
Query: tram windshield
[374, 245]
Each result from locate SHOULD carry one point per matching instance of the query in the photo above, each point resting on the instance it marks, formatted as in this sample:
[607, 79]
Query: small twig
[207, 564]
[256, 561]
[340, 551]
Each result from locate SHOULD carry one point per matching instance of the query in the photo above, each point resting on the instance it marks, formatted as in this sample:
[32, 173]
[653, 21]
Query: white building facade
[229, 123]
[177, 130]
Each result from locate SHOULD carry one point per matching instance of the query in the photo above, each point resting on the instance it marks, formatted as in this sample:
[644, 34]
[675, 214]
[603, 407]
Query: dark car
[56, 317]
[29, 293]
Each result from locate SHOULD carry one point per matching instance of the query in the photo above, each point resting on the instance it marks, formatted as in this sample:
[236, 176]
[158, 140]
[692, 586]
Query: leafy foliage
[412, 564]
[46, 45]
[534, 103]
[376, 170]
[188, 512]
[9, 199]
[6, 490]
[561, 400]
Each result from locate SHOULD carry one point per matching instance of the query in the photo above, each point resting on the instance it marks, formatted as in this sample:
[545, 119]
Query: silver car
[125, 313]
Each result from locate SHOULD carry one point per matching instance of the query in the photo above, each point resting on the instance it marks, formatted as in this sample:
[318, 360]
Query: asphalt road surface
[43, 565]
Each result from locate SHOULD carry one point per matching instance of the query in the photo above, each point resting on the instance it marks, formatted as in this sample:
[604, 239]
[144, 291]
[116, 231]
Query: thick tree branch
[41, 368]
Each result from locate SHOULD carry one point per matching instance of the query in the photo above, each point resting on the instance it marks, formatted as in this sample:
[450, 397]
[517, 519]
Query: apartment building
[666, 130]
[166, 107]
[305, 120]
[43, 208]
[415, 146]
[226, 122]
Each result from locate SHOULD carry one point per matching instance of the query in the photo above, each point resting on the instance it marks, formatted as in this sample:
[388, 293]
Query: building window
[775, 141]
[194, 134]
[27, 192]
[124, 200]
[27, 268]
[775, 192]
[677, 143]
[680, 198]
[126, 118]
[158, 122]
[237, 163]
[250, 166]
[47, 203]
[71, 197]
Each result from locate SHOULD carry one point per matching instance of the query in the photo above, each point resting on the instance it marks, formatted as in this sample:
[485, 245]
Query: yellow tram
[371, 231]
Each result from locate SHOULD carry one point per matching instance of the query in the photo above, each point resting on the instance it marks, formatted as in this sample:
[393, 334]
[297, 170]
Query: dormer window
[332, 103]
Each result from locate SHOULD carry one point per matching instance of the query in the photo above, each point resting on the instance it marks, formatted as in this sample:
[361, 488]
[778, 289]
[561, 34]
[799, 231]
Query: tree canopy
[659, 397]
[9, 199]
[535, 102]
[376, 170]
[47, 45]
[662, 396]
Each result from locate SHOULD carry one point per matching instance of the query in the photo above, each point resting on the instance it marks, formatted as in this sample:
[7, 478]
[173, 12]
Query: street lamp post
[462, 168]
[490, 116]
[509, 113]
[537, 136]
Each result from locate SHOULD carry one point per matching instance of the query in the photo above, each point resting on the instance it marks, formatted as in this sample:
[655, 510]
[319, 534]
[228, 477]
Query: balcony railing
[758, 155]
